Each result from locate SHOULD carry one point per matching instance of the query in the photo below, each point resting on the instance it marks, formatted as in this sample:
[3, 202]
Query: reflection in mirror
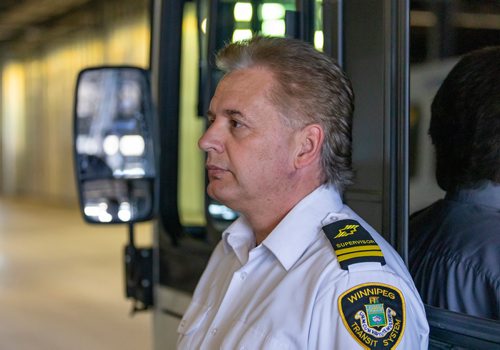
[115, 163]
[110, 200]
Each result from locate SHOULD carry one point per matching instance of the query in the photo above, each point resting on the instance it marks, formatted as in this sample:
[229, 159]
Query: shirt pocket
[193, 318]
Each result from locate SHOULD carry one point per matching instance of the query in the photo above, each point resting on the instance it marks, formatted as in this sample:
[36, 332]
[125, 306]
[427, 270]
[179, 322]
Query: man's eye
[235, 124]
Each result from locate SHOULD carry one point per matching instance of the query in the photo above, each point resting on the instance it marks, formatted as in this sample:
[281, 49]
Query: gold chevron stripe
[357, 249]
[360, 254]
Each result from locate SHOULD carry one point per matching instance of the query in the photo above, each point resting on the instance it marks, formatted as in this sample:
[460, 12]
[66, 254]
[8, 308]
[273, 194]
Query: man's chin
[221, 195]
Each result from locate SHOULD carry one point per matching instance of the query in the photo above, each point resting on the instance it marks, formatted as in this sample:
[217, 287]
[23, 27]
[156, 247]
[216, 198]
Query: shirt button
[213, 332]
[243, 275]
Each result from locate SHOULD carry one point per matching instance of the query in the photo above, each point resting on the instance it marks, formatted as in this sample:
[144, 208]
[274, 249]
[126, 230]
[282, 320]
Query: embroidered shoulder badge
[374, 315]
[352, 243]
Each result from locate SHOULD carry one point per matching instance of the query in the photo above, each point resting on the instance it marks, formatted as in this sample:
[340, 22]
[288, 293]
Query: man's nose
[211, 140]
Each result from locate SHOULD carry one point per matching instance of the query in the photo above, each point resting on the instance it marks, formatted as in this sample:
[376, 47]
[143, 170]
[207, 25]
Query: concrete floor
[61, 281]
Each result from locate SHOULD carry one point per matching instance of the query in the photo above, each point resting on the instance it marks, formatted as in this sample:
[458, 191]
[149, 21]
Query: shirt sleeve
[368, 309]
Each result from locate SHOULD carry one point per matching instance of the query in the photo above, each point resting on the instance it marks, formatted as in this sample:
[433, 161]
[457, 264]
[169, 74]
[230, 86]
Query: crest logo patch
[374, 315]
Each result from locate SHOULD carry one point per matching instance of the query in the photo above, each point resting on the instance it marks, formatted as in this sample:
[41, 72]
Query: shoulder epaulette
[352, 243]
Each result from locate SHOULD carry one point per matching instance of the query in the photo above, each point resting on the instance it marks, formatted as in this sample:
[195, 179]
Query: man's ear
[310, 140]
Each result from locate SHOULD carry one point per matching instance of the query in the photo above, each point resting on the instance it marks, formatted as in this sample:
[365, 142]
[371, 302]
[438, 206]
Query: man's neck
[265, 220]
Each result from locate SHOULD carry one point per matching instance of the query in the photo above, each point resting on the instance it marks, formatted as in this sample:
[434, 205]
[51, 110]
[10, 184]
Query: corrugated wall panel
[37, 99]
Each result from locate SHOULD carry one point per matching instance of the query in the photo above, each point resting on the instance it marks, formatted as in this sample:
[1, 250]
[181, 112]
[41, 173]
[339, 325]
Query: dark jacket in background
[455, 251]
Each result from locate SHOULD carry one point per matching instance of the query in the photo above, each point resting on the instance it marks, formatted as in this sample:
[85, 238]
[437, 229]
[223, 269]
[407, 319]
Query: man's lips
[214, 170]
[214, 167]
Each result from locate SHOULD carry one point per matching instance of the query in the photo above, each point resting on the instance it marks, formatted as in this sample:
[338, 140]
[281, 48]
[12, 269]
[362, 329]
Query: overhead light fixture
[319, 40]
[241, 34]
[272, 11]
[274, 27]
[243, 12]
[132, 145]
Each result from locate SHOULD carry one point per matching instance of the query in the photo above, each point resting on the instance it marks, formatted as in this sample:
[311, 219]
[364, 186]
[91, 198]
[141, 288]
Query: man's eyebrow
[227, 112]
[233, 113]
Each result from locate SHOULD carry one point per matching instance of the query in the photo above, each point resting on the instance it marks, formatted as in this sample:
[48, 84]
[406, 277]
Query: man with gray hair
[298, 269]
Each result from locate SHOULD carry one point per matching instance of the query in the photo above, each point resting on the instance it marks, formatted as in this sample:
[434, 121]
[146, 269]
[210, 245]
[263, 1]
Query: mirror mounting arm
[138, 274]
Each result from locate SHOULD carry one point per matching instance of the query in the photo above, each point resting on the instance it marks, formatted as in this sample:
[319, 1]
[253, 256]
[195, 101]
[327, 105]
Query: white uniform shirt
[290, 291]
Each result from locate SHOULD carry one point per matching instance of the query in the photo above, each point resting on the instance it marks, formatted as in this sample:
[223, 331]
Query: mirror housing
[114, 145]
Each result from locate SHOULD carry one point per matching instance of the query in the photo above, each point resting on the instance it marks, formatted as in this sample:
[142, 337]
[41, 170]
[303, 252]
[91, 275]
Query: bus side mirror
[114, 153]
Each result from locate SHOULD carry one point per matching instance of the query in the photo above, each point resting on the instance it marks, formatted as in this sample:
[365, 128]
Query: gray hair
[311, 88]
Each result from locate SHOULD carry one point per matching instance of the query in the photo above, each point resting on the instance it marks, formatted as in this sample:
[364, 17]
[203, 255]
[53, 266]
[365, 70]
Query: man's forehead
[248, 76]
[243, 85]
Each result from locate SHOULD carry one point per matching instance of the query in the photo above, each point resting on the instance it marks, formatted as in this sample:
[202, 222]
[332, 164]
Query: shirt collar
[487, 194]
[238, 237]
[300, 227]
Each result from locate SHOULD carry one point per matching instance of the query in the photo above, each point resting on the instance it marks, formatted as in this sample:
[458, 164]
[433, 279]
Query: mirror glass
[113, 142]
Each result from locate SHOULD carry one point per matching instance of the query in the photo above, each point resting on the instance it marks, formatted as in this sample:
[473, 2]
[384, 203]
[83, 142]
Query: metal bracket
[138, 275]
